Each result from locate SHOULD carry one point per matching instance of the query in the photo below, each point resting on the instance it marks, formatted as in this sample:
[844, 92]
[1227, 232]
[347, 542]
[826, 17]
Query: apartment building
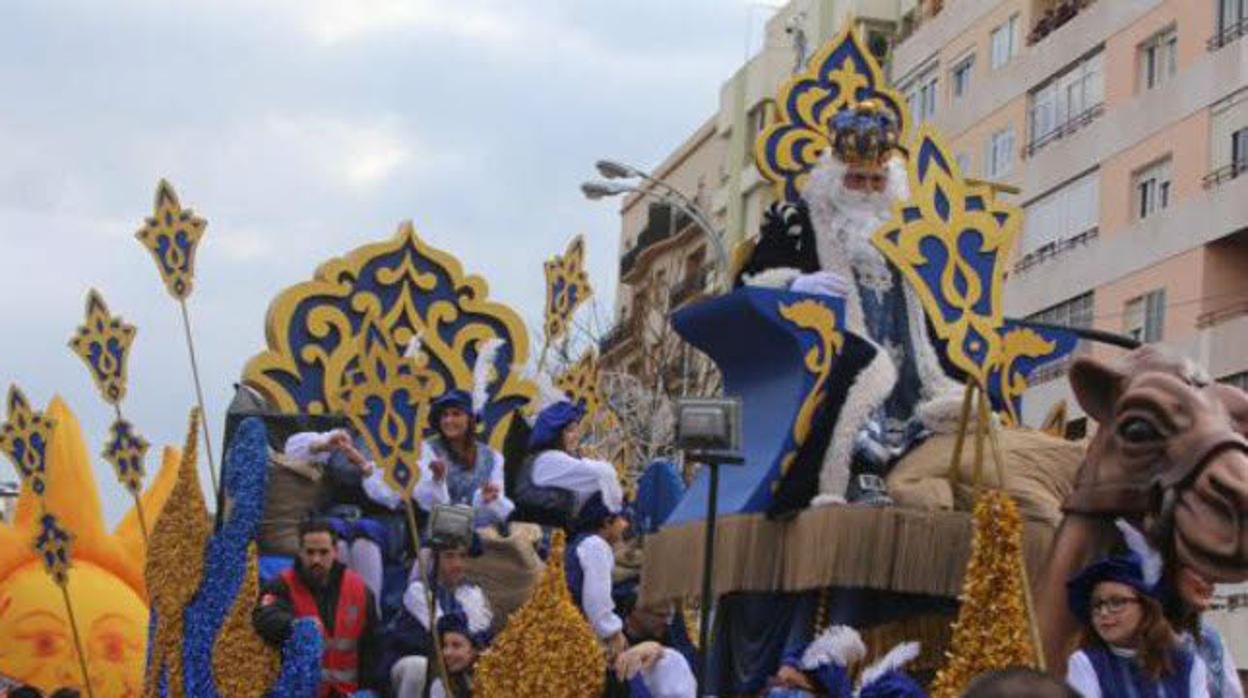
[1124, 124]
[665, 258]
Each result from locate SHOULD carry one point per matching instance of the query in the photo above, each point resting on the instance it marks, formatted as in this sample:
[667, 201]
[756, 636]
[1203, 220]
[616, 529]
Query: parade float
[966, 547]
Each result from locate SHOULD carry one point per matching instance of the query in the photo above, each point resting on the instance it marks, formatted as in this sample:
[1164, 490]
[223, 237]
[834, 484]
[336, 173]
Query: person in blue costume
[460, 469]
[1188, 596]
[409, 639]
[650, 670]
[460, 649]
[1127, 648]
[554, 450]
[823, 668]
[588, 561]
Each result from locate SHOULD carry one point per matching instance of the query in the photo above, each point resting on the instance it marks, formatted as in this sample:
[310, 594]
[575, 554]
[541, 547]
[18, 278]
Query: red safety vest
[340, 660]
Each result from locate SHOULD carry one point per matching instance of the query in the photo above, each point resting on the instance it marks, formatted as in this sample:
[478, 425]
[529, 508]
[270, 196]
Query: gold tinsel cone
[175, 565]
[992, 630]
[547, 649]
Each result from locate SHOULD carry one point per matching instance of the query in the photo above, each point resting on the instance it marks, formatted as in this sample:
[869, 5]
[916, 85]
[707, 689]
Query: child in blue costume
[1127, 648]
[823, 669]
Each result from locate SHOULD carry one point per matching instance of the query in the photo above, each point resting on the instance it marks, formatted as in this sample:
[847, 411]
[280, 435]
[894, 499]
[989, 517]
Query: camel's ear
[1096, 387]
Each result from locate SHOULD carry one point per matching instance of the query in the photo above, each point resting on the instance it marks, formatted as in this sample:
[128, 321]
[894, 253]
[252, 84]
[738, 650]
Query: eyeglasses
[1113, 604]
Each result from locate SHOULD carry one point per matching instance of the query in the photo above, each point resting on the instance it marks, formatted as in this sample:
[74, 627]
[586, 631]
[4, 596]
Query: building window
[755, 120]
[1158, 58]
[1001, 153]
[964, 163]
[1143, 317]
[1151, 187]
[1067, 102]
[1075, 312]
[1230, 21]
[1239, 380]
[1061, 215]
[960, 76]
[1005, 42]
[922, 99]
[1239, 150]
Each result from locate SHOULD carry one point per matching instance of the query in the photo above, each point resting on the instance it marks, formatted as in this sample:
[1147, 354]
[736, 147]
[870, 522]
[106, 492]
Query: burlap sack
[1039, 473]
[295, 490]
[507, 568]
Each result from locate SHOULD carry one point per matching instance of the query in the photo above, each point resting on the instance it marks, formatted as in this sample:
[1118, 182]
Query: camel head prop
[1170, 455]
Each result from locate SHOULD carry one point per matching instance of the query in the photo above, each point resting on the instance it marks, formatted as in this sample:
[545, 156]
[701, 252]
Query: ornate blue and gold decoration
[841, 75]
[126, 451]
[205, 586]
[818, 321]
[1023, 350]
[314, 329]
[24, 439]
[387, 398]
[567, 287]
[951, 241]
[172, 234]
[103, 343]
[53, 544]
[580, 383]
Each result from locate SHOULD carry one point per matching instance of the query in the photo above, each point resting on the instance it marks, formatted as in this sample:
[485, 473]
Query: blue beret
[551, 422]
[1124, 569]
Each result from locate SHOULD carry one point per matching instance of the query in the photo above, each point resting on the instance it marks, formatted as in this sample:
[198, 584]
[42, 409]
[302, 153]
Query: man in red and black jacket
[320, 587]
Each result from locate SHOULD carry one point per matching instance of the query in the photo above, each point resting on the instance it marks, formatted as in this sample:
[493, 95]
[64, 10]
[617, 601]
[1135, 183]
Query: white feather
[547, 392]
[1150, 559]
[896, 658]
[839, 644]
[414, 346]
[482, 372]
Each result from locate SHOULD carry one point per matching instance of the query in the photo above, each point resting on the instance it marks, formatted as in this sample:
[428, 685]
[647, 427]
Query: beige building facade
[1124, 123]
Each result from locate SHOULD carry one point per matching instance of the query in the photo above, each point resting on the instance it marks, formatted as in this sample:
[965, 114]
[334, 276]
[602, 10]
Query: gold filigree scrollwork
[567, 287]
[580, 383]
[313, 329]
[951, 241]
[1017, 343]
[841, 75]
[103, 341]
[815, 317]
[53, 544]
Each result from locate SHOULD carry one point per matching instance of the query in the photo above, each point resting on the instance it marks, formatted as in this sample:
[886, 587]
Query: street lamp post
[661, 191]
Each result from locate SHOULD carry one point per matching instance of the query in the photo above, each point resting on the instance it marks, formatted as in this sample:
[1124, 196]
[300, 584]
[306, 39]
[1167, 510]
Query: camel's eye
[1138, 430]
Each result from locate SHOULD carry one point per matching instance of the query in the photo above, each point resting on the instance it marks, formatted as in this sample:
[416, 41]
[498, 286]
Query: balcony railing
[1054, 17]
[1054, 249]
[1229, 33]
[1224, 174]
[660, 227]
[690, 287]
[1221, 315]
[617, 335]
[1071, 125]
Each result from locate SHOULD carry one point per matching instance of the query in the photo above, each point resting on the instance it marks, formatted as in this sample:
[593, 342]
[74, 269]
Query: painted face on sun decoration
[38, 646]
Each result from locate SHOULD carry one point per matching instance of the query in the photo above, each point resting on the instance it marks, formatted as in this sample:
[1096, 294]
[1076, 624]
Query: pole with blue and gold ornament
[103, 342]
[387, 398]
[25, 437]
[172, 234]
[567, 287]
[951, 241]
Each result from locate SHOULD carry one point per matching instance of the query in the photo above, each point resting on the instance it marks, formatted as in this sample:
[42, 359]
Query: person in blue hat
[457, 468]
[1127, 649]
[554, 446]
[651, 670]
[588, 560]
[823, 669]
[460, 649]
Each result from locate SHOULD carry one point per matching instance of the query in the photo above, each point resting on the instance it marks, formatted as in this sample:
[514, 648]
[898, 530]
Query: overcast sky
[301, 129]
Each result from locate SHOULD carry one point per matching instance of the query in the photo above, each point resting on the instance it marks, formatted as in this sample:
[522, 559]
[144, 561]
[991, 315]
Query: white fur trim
[1150, 559]
[838, 644]
[871, 387]
[777, 277]
[827, 500]
[482, 372]
[896, 658]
